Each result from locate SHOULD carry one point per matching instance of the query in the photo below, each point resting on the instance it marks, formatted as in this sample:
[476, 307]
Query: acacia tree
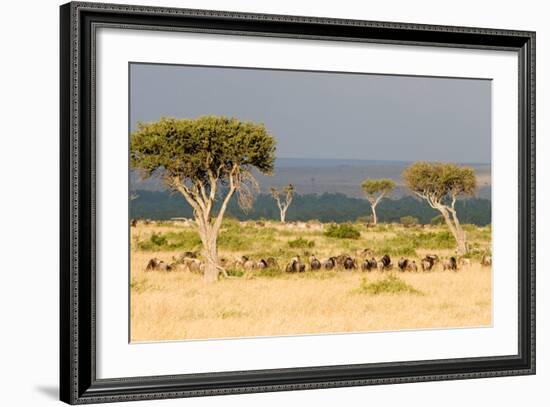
[375, 190]
[205, 159]
[440, 184]
[288, 193]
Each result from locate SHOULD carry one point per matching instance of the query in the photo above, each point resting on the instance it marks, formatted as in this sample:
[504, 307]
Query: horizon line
[379, 160]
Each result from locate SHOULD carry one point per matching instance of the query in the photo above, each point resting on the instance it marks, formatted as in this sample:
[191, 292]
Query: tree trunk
[374, 218]
[209, 239]
[283, 215]
[202, 203]
[211, 267]
[462, 245]
[456, 230]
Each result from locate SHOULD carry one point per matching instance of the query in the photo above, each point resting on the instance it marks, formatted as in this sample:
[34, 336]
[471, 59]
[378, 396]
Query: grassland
[179, 305]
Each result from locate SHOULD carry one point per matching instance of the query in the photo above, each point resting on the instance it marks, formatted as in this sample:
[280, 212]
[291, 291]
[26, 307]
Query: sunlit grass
[179, 305]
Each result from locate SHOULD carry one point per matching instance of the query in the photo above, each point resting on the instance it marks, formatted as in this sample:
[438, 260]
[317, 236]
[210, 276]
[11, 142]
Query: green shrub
[155, 242]
[184, 240]
[408, 220]
[158, 240]
[301, 243]
[389, 285]
[232, 272]
[342, 231]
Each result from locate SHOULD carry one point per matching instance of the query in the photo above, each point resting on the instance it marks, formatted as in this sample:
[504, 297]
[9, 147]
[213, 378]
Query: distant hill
[319, 176]
[326, 207]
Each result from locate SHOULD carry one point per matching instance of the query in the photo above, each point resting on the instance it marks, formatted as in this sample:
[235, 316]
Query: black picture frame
[78, 382]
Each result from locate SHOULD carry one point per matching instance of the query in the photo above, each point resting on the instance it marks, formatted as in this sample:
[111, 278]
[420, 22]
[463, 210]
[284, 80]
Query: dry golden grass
[179, 305]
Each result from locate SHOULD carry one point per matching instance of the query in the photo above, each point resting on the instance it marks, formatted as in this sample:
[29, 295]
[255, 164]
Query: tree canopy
[288, 192]
[195, 157]
[437, 183]
[376, 189]
[376, 186]
[193, 148]
[439, 180]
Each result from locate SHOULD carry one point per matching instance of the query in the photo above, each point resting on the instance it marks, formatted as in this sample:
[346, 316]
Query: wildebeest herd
[364, 260]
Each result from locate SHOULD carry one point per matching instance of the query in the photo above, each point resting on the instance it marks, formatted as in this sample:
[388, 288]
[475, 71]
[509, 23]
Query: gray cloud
[329, 115]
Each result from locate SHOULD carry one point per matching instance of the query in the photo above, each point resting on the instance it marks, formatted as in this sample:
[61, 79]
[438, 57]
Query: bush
[301, 243]
[408, 220]
[158, 240]
[343, 231]
[184, 240]
[155, 242]
[389, 285]
[233, 272]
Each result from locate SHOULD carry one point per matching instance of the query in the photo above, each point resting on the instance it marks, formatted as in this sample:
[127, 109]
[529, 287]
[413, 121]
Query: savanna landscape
[253, 301]
[268, 203]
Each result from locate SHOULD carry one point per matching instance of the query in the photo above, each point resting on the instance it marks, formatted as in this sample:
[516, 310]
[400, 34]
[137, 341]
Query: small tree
[375, 190]
[440, 184]
[288, 193]
[203, 159]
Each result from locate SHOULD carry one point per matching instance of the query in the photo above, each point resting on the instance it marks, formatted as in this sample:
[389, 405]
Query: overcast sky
[329, 115]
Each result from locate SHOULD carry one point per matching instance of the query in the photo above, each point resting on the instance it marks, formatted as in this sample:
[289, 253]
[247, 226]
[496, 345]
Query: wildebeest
[314, 263]
[329, 263]
[403, 264]
[194, 265]
[429, 261]
[386, 262]
[240, 261]
[261, 264]
[486, 260]
[373, 263]
[133, 223]
[341, 259]
[349, 263]
[156, 264]
[192, 255]
[368, 265]
[181, 258]
[295, 266]
[163, 266]
[450, 264]
[152, 264]
[412, 266]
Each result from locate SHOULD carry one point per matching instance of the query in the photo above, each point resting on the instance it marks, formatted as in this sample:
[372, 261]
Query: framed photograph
[254, 203]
